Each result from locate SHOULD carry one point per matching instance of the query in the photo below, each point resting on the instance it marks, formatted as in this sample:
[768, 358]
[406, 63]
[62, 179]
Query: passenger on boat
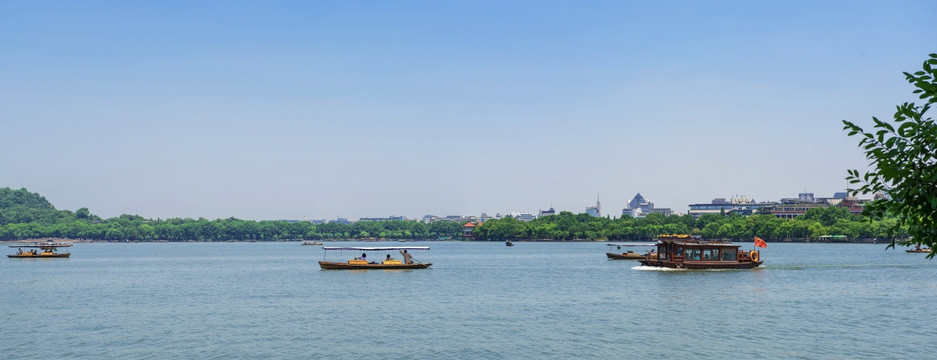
[364, 256]
[407, 259]
[388, 257]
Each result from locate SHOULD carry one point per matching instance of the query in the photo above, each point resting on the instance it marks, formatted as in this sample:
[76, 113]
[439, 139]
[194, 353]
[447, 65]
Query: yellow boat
[362, 263]
[40, 250]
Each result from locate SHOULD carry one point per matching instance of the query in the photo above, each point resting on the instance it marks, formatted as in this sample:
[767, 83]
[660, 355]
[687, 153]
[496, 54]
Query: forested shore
[25, 215]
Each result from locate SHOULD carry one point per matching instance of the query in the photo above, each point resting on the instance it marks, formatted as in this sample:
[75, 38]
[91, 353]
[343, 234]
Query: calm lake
[478, 300]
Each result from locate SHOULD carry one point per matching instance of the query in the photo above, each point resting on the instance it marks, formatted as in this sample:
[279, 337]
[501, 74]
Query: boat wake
[654, 268]
[660, 268]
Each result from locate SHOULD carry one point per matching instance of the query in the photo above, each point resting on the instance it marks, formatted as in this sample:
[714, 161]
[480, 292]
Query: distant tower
[595, 210]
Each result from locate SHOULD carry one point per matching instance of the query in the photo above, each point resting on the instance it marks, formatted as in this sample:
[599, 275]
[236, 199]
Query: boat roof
[632, 244]
[40, 245]
[698, 243]
[375, 248]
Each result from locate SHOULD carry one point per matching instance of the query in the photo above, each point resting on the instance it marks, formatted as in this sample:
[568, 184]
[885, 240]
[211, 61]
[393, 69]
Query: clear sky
[285, 110]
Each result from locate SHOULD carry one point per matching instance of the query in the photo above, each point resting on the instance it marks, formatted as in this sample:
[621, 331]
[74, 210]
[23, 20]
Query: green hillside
[22, 206]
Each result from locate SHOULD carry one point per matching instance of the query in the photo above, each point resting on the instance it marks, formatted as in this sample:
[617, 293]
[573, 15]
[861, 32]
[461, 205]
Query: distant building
[854, 205]
[595, 210]
[525, 216]
[662, 211]
[791, 208]
[485, 217]
[639, 207]
[806, 197]
[547, 212]
[738, 205]
[468, 229]
[454, 218]
[383, 218]
[340, 221]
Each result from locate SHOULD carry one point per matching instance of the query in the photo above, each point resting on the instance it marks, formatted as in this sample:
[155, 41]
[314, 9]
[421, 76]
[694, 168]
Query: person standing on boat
[407, 259]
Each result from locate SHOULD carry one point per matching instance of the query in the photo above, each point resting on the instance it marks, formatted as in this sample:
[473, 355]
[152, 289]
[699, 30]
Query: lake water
[478, 300]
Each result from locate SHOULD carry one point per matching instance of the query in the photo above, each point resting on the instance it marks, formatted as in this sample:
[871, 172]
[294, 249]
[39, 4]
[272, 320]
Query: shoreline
[90, 241]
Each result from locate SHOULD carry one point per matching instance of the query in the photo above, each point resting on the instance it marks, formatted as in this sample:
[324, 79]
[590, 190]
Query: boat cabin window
[729, 255]
[711, 254]
[678, 251]
[691, 254]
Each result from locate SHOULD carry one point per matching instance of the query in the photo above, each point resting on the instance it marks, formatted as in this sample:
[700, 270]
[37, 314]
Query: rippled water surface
[478, 300]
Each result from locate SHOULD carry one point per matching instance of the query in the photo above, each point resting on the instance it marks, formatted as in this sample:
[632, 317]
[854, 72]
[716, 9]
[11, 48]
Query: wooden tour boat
[918, 250]
[508, 243]
[629, 254]
[40, 250]
[685, 252]
[362, 263]
[312, 243]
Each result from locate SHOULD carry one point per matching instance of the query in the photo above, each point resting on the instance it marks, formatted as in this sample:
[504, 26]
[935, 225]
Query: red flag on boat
[760, 243]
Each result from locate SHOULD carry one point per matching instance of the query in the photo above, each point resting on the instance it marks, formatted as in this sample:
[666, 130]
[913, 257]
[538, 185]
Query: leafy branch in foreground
[904, 155]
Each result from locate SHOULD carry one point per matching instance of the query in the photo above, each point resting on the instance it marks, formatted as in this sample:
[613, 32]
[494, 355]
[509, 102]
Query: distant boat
[629, 254]
[508, 243]
[312, 243]
[40, 250]
[918, 250]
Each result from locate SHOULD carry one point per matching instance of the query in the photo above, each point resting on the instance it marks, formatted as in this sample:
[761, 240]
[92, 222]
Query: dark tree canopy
[903, 154]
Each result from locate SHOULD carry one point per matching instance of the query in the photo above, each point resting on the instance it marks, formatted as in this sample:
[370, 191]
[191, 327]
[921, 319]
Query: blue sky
[286, 110]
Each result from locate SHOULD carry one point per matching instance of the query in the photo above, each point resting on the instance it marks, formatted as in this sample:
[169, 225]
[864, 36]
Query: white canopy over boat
[375, 248]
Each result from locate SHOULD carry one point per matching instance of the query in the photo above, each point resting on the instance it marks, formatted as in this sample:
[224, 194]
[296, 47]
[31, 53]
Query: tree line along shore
[25, 215]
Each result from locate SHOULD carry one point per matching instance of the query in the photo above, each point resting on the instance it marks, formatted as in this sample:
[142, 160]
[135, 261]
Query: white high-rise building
[595, 210]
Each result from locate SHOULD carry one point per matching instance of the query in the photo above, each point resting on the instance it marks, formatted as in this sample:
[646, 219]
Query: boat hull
[38, 256]
[331, 265]
[702, 265]
[625, 256]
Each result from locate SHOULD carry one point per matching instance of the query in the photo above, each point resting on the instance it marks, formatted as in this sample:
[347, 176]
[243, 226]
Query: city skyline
[287, 111]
